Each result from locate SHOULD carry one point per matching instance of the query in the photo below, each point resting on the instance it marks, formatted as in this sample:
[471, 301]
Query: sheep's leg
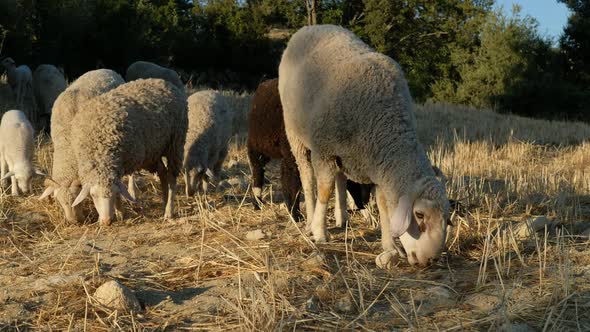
[14, 186]
[325, 177]
[3, 171]
[391, 253]
[340, 212]
[131, 187]
[164, 186]
[189, 188]
[119, 209]
[257, 163]
[169, 212]
[291, 186]
[306, 172]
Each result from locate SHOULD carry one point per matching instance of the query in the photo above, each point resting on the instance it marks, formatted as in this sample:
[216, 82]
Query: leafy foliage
[459, 51]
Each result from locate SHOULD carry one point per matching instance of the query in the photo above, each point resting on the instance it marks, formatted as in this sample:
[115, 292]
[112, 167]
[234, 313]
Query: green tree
[420, 35]
[575, 42]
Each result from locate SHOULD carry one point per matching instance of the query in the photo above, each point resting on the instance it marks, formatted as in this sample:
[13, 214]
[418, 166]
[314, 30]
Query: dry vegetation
[199, 272]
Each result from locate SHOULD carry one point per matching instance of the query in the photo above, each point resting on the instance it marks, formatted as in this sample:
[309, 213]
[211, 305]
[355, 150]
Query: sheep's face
[104, 199]
[425, 237]
[65, 196]
[24, 178]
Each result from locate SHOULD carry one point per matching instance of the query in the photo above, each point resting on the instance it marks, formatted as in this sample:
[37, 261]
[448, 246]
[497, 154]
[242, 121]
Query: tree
[575, 42]
[312, 6]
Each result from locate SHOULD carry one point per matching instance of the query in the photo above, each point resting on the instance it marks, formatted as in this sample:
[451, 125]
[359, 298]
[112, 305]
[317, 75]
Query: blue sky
[552, 15]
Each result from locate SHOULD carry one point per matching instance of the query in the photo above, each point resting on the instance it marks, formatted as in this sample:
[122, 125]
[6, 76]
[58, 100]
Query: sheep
[19, 78]
[267, 140]
[64, 184]
[48, 83]
[207, 138]
[349, 109]
[144, 69]
[17, 151]
[129, 128]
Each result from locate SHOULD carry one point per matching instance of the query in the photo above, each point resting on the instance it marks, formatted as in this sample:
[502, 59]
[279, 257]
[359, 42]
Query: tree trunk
[312, 17]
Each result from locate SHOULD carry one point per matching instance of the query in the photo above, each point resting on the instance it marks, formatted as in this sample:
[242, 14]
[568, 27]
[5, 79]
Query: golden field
[200, 272]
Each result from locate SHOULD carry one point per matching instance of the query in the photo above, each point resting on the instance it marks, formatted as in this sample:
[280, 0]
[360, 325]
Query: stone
[482, 302]
[315, 261]
[529, 227]
[116, 296]
[255, 235]
[344, 304]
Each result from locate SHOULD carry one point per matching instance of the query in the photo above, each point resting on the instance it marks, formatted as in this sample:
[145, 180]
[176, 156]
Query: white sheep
[17, 151]
[207, 138]
[350, 108]
[129, 128]
[48, 83]
[144, 69]
[64, 184]
[20, 80]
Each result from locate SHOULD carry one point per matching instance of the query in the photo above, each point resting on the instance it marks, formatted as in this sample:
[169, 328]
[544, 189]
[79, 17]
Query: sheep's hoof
[387, 260]
[322, 238]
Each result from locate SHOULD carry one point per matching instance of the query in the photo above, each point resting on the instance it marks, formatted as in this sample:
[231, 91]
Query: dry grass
[199, 273]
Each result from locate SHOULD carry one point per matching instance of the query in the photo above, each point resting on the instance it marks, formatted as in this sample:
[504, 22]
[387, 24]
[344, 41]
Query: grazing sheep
[48, 83]
[267, 140]
[129, 128]
[19, 78]
[16, 151]
[207, 138]
[144, 69]
[64, 183]
[349, 109]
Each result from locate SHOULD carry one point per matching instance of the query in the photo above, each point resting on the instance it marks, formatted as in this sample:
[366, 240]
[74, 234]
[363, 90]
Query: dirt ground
[205, 271]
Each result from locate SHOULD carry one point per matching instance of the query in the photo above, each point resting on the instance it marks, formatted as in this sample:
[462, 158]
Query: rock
[116, 296]
[344, 304]
[315, 261]
[434, 298]
[56, 280]
[312, 304]
[529, 227]
[482, 302]
[387, 260]
[515, 327]
[255, 235]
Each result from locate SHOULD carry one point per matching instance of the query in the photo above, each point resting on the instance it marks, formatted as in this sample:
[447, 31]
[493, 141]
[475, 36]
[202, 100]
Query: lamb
[144, 69]
[349, 108]
[267, 140]
[19, 78]
[129, 128]
[48, 83]
[64, 184]
[17, 151]
[207, 138]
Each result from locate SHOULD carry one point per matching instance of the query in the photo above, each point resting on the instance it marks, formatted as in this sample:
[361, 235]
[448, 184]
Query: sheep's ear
[38, 172]
[8, 175]
[402, 216]
[123, 191]
[48, 191]
[82, 195]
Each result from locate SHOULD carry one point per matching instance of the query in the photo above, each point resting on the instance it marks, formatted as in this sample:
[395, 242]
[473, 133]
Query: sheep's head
[65, 195]
[423, 216]
[24, 176]
[104, 199]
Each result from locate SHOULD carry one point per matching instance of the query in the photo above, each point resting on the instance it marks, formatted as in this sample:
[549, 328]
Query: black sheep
[267, 140]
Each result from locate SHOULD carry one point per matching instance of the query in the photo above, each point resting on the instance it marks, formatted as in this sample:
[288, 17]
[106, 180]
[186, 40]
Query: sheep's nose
[413, 258]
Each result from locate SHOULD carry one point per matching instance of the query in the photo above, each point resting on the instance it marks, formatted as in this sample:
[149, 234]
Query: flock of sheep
[339, 112]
